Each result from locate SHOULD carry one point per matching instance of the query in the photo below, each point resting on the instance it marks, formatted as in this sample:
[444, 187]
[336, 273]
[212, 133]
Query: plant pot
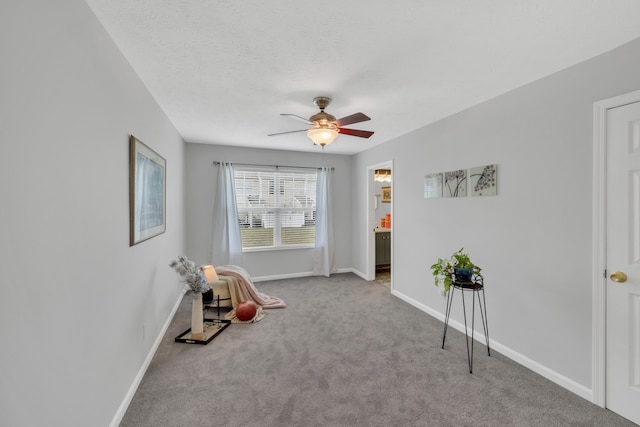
[463, 274]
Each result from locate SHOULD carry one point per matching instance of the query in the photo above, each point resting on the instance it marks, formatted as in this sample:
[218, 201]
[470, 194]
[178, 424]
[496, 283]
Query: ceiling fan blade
[354, 118]
[289, 131]
[356, 132]
[298, 118]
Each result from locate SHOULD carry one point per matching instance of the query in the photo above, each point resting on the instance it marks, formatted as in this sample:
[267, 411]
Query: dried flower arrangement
[191, 275]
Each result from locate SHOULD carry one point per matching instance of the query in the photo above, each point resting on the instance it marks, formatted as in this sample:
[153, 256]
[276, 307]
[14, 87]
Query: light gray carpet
[345, 353]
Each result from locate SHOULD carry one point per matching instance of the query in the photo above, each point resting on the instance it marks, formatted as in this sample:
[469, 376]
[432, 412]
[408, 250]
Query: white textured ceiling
[223, 70]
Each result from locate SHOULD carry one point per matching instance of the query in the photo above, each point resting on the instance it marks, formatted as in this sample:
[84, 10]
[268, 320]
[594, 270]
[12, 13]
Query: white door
[623, 259]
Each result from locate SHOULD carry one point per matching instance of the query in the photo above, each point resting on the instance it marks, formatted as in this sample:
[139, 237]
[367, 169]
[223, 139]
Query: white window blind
[276, 209]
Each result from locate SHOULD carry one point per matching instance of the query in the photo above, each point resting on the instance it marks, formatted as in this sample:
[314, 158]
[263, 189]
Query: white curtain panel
[227, 244]
[324, 259]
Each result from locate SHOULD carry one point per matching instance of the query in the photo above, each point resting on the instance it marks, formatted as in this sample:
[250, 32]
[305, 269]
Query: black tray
[212, 327]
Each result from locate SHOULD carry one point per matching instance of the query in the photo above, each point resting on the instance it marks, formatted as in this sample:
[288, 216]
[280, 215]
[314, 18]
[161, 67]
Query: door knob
[618, 276]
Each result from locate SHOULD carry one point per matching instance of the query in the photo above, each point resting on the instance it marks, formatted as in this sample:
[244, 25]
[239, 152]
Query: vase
[463, 273]
[197, 318]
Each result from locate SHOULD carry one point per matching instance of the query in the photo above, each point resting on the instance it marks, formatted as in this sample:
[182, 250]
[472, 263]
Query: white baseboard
[281, 276]
[115, 422]
[356, 272]
[551, 375]
[303, 274]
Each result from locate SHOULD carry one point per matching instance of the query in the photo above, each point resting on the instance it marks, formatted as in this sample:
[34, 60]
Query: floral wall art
[482, 181]
[455, 183]
[476, 181]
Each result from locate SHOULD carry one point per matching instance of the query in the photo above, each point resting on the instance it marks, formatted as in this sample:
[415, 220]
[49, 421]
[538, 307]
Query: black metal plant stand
[475, 286]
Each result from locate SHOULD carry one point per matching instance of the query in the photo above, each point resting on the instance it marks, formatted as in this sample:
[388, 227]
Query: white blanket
[243, 288]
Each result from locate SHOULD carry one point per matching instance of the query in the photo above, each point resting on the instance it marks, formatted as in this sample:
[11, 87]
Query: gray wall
[534, 239]
[201, 185]
[80, 309]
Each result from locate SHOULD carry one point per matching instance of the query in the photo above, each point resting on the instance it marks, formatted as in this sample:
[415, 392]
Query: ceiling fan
[325, 126]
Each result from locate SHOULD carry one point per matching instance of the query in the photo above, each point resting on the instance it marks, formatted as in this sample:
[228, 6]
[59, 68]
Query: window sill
[277, 248]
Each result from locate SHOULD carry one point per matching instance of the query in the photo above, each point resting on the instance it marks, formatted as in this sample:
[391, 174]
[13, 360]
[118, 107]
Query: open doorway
[380, 223]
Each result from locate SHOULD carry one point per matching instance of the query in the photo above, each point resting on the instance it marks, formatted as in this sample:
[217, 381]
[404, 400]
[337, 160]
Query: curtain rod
[215, 162]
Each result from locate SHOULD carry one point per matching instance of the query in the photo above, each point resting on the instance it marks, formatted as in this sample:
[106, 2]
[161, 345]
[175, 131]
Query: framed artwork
[386, 194]
[482, 180]
[433, 186]
[147, 192]
[455, 183]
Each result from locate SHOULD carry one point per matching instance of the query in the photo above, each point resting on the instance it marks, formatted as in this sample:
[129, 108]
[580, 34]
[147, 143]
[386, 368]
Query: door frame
[599, 250]
[371, 240]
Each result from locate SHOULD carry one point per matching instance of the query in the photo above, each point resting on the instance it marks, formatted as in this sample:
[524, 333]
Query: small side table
[475, 286]
[221, 294]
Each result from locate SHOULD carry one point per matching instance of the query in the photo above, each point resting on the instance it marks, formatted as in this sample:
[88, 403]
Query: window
[276, 209]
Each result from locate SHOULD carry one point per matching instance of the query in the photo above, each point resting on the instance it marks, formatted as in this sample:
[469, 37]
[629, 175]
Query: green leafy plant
[444, 269]
[462, 260]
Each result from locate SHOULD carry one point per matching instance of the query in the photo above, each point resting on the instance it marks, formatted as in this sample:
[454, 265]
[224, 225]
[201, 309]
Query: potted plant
[193, 277]
[458, 266]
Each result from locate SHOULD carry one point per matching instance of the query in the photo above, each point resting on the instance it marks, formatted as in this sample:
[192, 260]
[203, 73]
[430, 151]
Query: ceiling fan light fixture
[325, 127]
[322, 136]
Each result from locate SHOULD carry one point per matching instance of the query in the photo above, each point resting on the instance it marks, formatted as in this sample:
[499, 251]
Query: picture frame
[147, 192]
[433, 186]
[386, 194]
[483, 180]
[455, 183]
